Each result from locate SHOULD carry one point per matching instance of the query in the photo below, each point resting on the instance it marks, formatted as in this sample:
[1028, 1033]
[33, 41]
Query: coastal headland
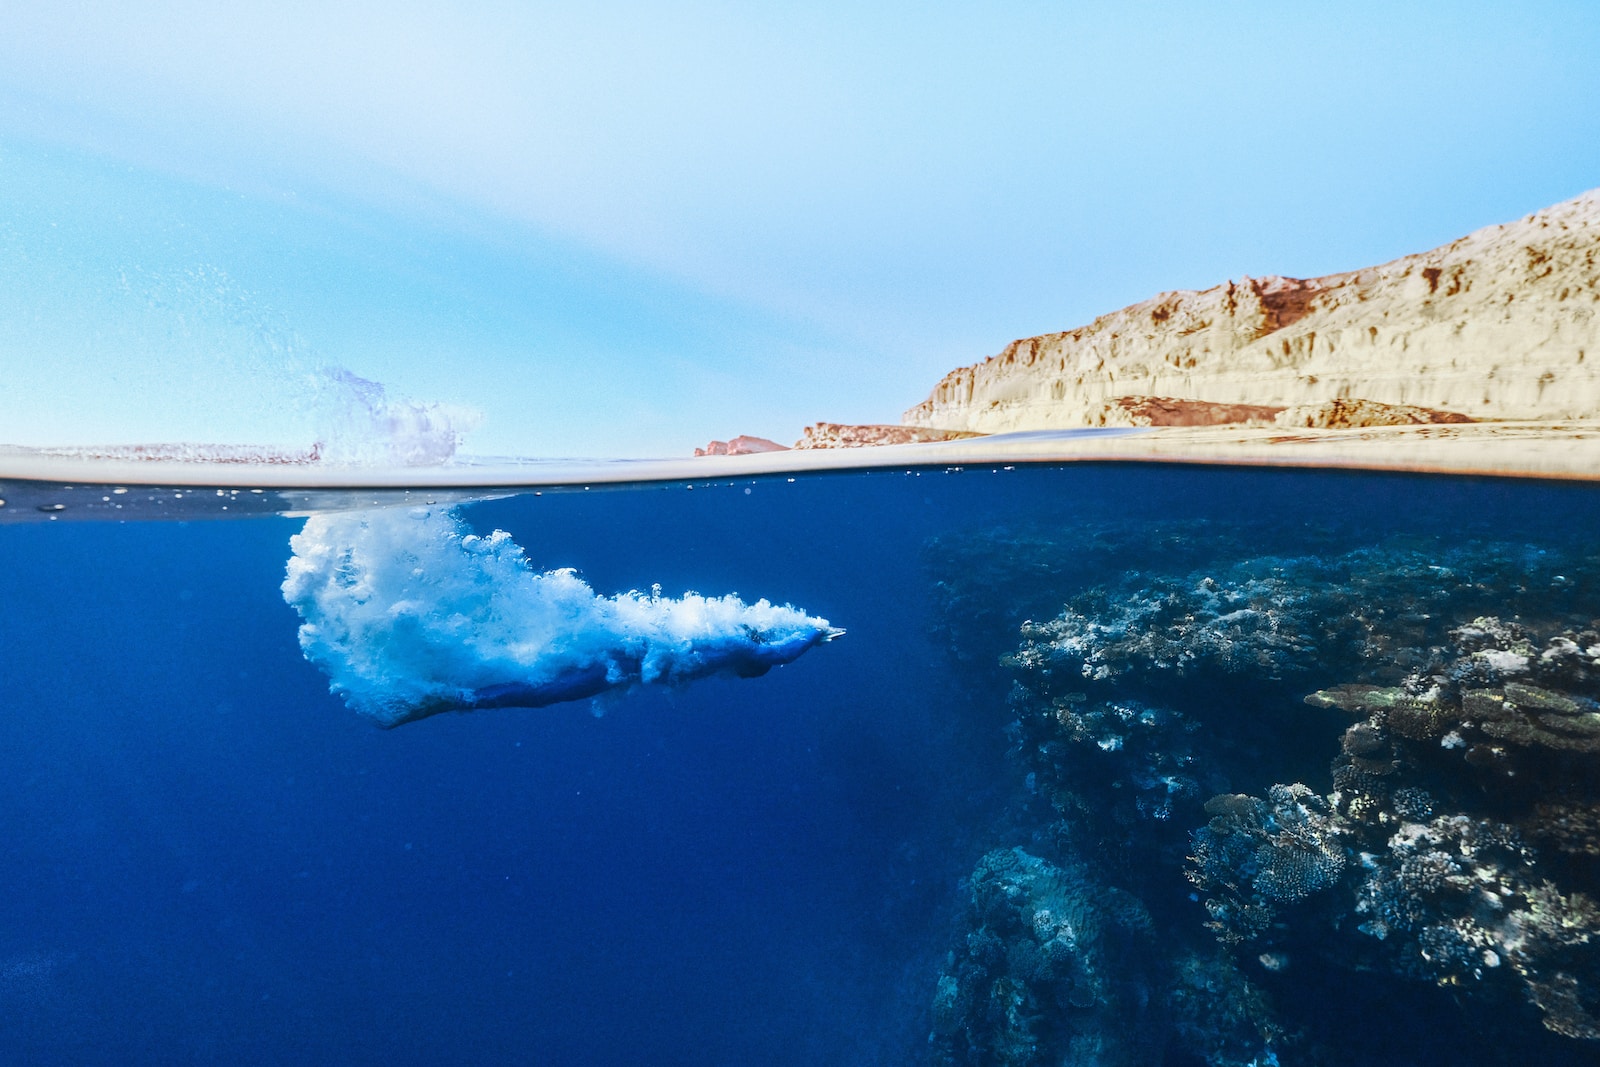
[1480, 355]
[1499, 325]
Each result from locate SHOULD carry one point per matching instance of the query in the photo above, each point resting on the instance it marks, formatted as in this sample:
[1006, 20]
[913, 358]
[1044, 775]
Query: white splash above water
[359, 424]
[409, 614]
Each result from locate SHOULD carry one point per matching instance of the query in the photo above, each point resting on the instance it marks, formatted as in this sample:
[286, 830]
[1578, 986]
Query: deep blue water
[207, 858]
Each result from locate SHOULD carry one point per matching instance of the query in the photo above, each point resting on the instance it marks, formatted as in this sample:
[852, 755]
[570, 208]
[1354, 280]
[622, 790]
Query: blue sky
[628, 229]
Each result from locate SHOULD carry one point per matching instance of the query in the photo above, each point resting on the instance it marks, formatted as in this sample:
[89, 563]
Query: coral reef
[1461, 768]
[1256, 856]
[1466, 900]
[1252, 624]
[1049, 972]
[1400, 745]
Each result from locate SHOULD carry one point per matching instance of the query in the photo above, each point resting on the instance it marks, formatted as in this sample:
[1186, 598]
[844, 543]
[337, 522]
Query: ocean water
[1056, 796]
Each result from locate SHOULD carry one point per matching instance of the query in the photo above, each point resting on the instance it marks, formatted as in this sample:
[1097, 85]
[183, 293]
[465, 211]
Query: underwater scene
[1090, 764]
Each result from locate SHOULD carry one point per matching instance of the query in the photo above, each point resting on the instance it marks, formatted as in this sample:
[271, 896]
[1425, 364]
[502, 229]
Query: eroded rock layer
[1501, 324]
[842, 435]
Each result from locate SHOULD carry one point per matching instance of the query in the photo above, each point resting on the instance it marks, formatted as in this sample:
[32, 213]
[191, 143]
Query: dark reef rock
[1435, 711]
[1049, 973]
[1464, 902]
[1256, 856]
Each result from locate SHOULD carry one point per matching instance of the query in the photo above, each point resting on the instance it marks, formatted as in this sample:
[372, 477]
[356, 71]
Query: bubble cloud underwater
[410, 615]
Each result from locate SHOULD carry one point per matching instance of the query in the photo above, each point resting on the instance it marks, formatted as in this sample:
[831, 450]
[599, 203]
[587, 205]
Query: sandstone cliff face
[1501, 324]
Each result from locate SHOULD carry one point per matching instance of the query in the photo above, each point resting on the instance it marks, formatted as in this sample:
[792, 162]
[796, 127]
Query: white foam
[407, 611]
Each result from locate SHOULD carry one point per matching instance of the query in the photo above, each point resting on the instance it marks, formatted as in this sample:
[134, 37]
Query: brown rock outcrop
[1170, 411]
[1501, 324]
[743, 445]
[1359, 414]
[840, 435]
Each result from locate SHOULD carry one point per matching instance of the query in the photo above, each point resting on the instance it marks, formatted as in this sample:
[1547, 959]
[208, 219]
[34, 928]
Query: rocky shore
[1497, 327]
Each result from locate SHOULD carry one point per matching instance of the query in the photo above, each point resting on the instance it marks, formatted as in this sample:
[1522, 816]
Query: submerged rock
[1401, 747]
[1050, 971]
[1256, 856]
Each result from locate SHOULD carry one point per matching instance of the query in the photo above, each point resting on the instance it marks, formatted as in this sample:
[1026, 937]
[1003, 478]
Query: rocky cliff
[1501, 324]
[743, 445]
[845, 435]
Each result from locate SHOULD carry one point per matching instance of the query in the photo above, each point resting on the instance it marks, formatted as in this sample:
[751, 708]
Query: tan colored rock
[743, 445]
[841, 435]
[1356, 414]
[1501, 324]
[1169, 411]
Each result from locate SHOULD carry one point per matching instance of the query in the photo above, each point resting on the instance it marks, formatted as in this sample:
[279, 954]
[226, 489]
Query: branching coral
[1468, 901]
[1256, 856]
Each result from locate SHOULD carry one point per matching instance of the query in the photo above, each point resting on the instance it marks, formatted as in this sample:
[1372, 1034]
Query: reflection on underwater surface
[1060, 797]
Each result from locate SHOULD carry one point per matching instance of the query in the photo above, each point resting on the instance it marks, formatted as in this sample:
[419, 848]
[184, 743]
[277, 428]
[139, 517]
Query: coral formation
[1045, 975]
[1400, 746]
[1454, 887]
[1467, 900]
[1256, 856]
